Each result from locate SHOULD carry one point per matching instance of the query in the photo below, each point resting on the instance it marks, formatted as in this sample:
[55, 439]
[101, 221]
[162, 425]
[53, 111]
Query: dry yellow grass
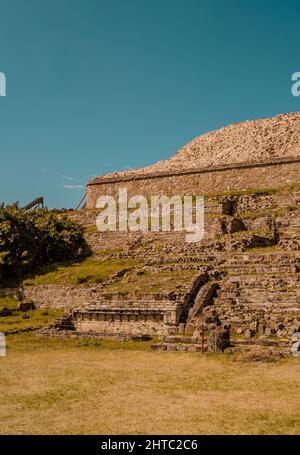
[76, 388]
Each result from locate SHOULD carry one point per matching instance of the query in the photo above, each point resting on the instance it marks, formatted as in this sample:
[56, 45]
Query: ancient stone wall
[98, 241]
[259, 294]
[83, 296]
[214, 180]
[111, 325]
[12, 293]
[110, 314]
[263, 202]
[61, 296]
[130, 318]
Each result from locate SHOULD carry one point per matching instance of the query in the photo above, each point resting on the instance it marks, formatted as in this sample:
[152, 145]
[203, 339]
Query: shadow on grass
[18, 280]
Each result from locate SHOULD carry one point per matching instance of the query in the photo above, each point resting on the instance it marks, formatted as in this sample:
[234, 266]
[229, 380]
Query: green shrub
[33, 238]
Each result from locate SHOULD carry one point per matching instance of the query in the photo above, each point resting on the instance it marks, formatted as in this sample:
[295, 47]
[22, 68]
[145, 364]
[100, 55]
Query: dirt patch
[259, 354]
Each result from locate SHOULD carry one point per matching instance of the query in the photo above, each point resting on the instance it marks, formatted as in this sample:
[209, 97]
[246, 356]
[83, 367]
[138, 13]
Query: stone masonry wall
[202, 181]
[106, 240]
[84, 296]
[86, 322]
[128, 318]
[110, 314]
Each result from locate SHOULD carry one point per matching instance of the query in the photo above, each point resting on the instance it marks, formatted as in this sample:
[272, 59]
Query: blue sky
[100, 85]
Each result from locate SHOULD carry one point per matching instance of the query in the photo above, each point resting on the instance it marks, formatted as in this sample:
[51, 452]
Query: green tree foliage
[33, 238]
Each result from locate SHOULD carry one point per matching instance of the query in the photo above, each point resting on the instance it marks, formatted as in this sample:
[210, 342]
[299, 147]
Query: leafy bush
[33, 238]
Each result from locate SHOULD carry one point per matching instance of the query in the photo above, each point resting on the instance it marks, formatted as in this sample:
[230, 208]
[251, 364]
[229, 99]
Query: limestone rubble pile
[251, 141]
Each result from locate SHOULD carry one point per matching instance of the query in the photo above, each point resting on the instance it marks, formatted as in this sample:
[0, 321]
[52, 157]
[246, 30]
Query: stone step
[249, 342]
[250, 294]
[255, 303]
[275, 263]
[259, 266]
[258, 257]
[179, 339]
[236, 281]
[178, 347]
[263, 268]
[204, 297]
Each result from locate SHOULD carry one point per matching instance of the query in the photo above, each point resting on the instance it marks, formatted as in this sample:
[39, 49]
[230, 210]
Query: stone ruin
[244, 275]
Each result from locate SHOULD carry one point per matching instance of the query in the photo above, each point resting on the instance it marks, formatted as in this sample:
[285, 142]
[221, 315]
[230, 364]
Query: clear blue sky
[100, 85]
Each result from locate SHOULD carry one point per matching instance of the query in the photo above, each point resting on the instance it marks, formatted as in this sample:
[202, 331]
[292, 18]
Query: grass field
[87, 270]
[94, 270]
[85, 387]
[22, 320]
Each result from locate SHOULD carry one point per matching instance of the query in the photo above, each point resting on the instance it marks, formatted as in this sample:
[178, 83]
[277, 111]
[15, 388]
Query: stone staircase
[204, 298]
[181, 343]
[63, 324]
[260, 294]
[243, 263]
